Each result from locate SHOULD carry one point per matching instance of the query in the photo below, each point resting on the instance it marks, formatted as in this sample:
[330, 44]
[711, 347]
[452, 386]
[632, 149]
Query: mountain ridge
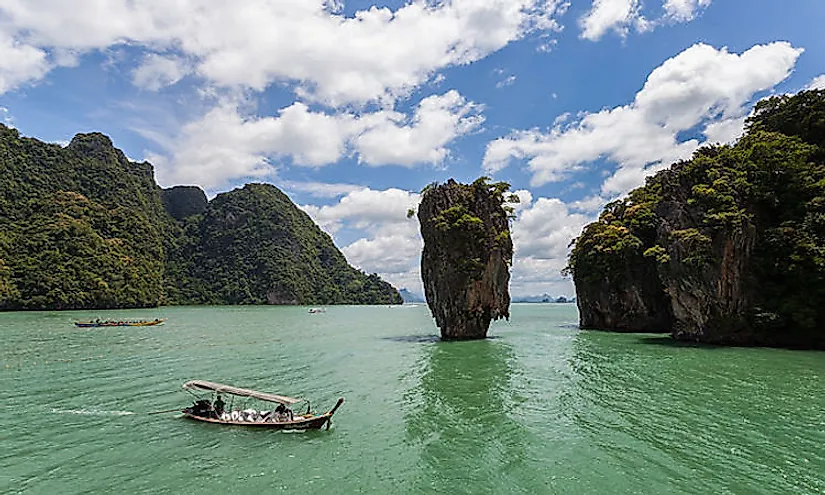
[83, 227]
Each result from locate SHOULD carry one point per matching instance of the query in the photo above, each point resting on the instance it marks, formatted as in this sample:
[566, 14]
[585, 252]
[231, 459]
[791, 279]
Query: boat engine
[201, 408]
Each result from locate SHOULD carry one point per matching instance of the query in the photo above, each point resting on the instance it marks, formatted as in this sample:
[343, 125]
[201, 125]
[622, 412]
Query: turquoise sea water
[539, 408]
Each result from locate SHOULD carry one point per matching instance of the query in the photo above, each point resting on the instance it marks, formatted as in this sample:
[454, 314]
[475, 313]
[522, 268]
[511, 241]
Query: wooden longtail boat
[119, 323]
[206, 411]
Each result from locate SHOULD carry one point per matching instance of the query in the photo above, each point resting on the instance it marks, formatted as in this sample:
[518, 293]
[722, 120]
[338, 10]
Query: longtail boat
[279, 417]
[120, 323]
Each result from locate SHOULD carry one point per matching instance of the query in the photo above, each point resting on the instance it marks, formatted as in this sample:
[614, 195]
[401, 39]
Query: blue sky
[352, 107]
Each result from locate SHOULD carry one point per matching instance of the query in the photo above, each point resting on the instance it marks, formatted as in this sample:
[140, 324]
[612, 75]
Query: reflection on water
[463, 417]
[414, 339]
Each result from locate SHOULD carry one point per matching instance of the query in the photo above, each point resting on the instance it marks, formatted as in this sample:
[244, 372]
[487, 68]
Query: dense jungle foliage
[80, 227]
[764, 196]
[84, 227]
[254, 246]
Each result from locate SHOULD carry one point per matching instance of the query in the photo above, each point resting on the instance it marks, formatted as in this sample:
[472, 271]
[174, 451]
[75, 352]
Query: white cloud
[507, 81]
[547, 45]
[684, 10]
[366, 209]
[377, 54]
[525, 199]
[545, 228]
[590, 204]
[392, 244]
[623, 15]
[20, 63]
[541, 238]
[438, 120]
[225, 144]
[725, 131]
[5, 117]
[701, 88]
[394, 257]
[532, 277]
[605, 15]
[817, 83]
[334, 6]
[156, 71]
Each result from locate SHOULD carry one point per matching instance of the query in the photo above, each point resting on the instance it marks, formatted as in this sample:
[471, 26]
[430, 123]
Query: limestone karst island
[83, 227]
[725, 248]
[467, 255]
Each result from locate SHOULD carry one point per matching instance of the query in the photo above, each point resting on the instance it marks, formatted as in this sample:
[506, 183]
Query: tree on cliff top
[801, 115]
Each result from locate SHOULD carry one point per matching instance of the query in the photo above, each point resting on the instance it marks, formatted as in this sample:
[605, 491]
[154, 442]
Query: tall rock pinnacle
[467, 254]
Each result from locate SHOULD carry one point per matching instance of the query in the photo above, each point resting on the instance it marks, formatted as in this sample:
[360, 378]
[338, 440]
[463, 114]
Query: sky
[352, 107]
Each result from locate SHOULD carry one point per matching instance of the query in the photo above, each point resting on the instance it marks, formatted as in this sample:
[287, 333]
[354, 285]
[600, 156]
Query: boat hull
[312, 423]
[83, 324]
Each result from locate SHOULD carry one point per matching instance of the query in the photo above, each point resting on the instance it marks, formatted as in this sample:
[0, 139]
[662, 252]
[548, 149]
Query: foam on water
[92, 412]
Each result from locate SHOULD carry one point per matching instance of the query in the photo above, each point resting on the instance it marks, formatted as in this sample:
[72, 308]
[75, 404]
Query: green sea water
[541, 407]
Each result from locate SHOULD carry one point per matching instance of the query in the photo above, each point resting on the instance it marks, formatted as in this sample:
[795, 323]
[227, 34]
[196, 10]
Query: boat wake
[92, 412]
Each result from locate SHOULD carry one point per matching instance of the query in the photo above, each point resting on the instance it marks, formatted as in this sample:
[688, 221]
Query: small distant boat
[279, 418]
[316, 310]
[120, 323]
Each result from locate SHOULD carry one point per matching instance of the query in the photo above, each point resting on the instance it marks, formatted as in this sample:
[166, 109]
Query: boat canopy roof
[228, 389]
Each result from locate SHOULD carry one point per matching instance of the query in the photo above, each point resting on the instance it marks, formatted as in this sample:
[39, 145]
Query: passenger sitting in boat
[282, 414]
[219, 406]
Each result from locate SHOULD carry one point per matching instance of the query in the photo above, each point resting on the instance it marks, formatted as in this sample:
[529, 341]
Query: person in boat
[201, 408]
[282, 414]
[219, 406]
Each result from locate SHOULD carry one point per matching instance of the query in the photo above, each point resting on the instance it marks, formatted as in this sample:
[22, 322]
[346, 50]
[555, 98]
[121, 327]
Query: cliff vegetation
[254, 246]
[728, 247]
[82, 226]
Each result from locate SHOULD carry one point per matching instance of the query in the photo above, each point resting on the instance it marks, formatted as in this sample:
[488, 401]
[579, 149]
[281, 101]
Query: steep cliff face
[465, 265]
[725, 248]
[706, 271]
[630, 300]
